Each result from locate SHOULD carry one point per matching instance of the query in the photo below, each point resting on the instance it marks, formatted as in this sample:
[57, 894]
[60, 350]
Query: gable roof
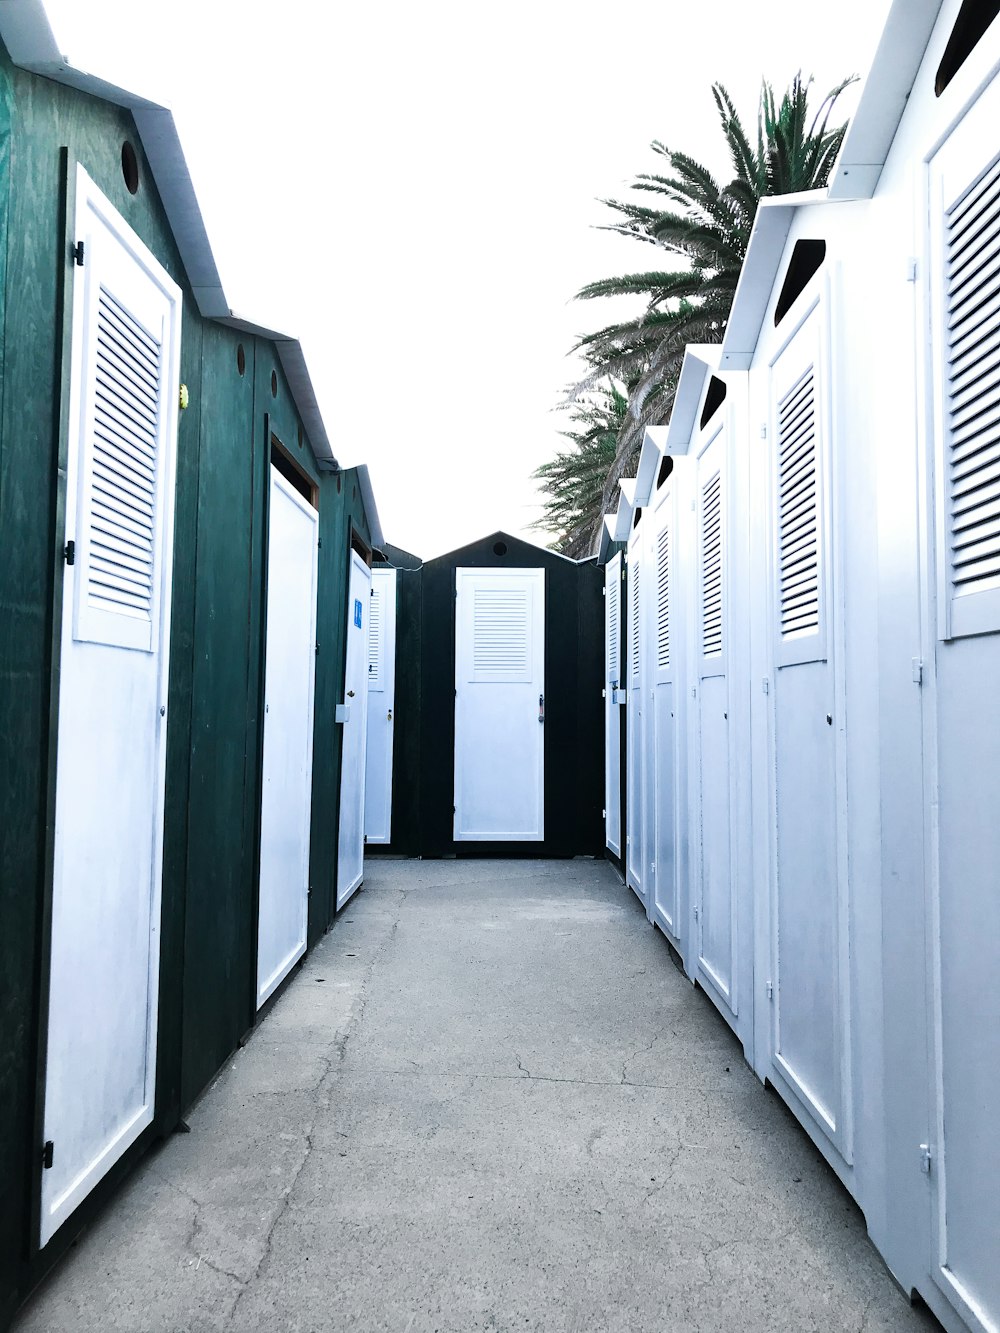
[28, 37]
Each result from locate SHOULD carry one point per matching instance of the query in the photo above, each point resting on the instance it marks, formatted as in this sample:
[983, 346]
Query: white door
[714, 899]
[963, 776]
[499, 705]
[612, 708]
[104, 973]
[807, 939]
[381, 703]
[662, 734]
[289, 682]
[354, 739]
[634, 876]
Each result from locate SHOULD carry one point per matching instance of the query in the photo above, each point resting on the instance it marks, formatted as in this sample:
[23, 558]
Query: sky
[412, 190]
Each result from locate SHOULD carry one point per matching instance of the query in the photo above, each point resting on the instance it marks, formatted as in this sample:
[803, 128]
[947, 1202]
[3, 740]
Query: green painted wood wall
[208, 936]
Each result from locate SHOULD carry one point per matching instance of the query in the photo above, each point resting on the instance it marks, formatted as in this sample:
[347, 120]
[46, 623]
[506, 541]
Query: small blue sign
[357, 612]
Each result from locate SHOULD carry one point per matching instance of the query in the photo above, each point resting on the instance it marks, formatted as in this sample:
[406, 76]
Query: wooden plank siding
[211, 824]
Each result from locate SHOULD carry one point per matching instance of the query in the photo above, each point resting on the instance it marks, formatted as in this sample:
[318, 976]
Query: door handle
[350, 694]
[541, 710]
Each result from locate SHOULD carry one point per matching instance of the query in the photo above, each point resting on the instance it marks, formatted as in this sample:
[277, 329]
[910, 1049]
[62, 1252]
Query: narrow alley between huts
[487, 1100]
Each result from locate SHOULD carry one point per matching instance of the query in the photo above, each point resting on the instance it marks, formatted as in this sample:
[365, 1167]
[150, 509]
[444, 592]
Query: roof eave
[757, 276]
[700, 361]
[883, 99]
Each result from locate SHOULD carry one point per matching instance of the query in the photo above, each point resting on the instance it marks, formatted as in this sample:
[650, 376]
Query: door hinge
[926, 1157]
[70, 553]
[76, 254]
[911, 270]
[604, 592]
[48, 1155]
[604, 694]
[770, 990]
[763, 430]
[317, 648]
[697, 912]
[918, 670]
[319, 543]
[765, 685]
[604, 814]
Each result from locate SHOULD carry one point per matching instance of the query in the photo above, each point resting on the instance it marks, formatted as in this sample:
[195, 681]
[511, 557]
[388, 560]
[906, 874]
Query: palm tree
[575, 478]
[708, 226]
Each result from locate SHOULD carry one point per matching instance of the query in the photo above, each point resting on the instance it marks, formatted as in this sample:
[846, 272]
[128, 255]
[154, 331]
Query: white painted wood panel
[714, 892]
[289, 684]
[963, 769]
[354, 742]
[499, 709]
[612, 708]
[111, 749]
[381, 707]
[634, 776]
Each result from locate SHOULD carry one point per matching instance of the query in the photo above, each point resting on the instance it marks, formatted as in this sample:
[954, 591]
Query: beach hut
[507, 757]
[922, 150]
[169, 493]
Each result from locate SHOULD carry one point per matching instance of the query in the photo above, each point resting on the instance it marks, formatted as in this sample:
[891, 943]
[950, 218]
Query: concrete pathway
[488, 1101]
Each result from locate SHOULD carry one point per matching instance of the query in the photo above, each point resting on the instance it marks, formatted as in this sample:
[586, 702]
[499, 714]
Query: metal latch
[541, 709]
[925, 1158]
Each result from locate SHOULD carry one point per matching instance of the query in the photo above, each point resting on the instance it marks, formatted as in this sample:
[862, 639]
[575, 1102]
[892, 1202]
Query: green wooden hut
[161, 463]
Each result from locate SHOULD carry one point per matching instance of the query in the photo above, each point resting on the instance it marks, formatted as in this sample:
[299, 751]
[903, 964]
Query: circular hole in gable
[499, 548]
[241, 359]
[130, 168]
[274, 384]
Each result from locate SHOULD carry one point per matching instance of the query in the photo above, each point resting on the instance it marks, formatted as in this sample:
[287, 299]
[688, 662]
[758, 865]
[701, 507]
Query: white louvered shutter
[972, 406]
[633, 628]
[613, 628]
[711, 567]
[120, 517]
[798, 511]
[663, 596]
[501, 634]
[376, 637]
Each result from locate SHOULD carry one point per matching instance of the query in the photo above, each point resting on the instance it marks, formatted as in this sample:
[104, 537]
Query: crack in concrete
[642, 1050]
[332, 1062]
[197, 1206]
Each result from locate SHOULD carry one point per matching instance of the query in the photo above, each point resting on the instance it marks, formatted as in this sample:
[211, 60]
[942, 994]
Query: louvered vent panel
[711, 567]
[123, 485]
[798, 513]
[500, 632]
[375, 639]
[613, 631]
[634, 623]
[663, 598]
[973, 375]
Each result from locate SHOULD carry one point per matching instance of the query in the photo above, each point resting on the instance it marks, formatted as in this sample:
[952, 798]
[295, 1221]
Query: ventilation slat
[500, 633]
[614, 633]
[122, 496]
[375, 632]
[663, 598]
[634, 662]
[972, 244]
[711, 567]
[798, 514]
